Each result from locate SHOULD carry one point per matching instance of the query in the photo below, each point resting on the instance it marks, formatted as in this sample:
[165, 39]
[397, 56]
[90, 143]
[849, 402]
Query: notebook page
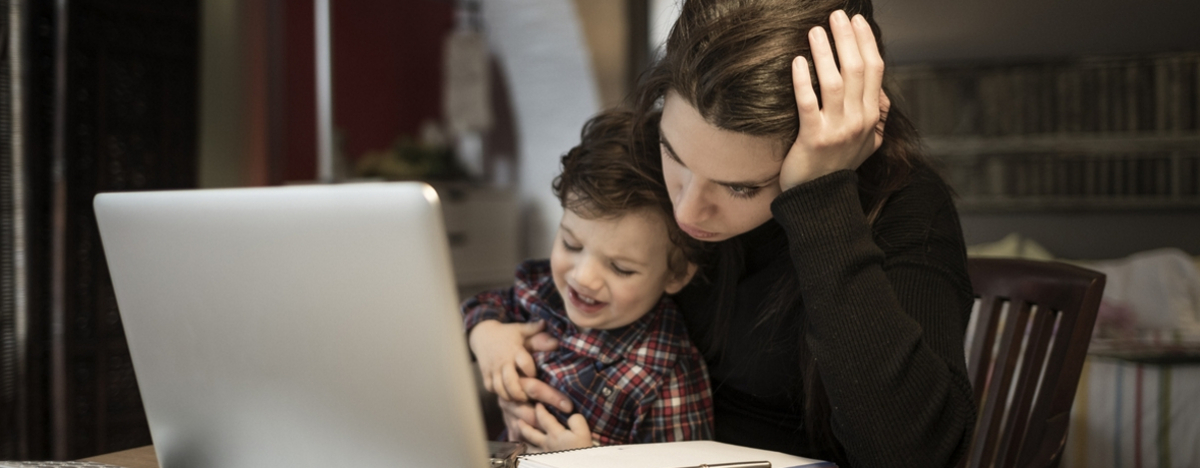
[664, 455]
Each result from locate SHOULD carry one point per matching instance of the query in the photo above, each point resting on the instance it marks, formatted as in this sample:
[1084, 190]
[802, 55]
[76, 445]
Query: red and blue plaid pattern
[644, 382]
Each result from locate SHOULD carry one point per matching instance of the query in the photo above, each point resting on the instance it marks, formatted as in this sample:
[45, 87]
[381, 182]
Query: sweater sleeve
[886, 314]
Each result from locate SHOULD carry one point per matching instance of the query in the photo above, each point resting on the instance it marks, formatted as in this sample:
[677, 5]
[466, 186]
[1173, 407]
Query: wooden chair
[1030, 336]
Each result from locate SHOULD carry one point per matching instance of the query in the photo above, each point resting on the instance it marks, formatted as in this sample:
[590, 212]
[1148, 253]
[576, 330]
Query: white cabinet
[482, 225]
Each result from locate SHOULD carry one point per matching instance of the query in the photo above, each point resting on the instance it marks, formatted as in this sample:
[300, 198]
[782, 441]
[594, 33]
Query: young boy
[623, 355]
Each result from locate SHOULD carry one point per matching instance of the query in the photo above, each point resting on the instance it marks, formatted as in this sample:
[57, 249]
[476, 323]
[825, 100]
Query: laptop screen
[294, 326]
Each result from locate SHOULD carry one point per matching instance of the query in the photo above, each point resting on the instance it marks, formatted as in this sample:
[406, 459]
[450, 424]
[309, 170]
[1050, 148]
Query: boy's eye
[573, 248]
[620, 271]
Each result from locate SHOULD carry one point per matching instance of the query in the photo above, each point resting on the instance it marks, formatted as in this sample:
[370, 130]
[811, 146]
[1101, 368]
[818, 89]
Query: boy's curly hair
[601, 178]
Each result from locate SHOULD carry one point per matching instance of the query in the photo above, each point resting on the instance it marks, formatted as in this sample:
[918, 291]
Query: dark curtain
[130, 113]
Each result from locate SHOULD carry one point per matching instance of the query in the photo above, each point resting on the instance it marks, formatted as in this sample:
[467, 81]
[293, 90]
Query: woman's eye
[573, 248]
[742, 191]
[662, 148]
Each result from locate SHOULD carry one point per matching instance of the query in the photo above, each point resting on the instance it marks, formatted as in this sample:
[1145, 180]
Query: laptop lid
[310, 326]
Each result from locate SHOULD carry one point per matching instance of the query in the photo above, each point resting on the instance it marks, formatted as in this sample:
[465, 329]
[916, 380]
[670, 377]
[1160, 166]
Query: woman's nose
[692, 205]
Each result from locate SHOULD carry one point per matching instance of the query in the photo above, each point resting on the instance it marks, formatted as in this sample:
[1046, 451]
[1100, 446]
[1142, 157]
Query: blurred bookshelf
[1103, 133]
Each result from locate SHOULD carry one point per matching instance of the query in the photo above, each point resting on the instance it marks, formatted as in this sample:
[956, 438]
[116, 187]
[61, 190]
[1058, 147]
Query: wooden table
[141, 457]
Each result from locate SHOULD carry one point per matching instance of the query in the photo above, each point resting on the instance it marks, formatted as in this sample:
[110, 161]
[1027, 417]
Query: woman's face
[721, 182]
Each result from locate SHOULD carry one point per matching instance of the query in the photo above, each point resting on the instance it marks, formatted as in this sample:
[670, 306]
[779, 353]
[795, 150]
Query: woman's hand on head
[842, 129]
[503, 353]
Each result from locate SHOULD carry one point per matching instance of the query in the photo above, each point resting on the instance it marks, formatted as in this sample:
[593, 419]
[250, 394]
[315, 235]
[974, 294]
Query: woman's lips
[578, 301]
[695, 231]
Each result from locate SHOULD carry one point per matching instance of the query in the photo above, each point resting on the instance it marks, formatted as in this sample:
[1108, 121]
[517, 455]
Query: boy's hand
[537, 391]
[556, 437]
[503, 352]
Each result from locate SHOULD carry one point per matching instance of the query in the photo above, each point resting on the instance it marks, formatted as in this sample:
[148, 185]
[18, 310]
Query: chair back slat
[983, 340]
[995, 395]
[1024, 357]
[1031, 371]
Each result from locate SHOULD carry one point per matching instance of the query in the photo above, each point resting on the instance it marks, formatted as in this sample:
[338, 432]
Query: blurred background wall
[1022, 39]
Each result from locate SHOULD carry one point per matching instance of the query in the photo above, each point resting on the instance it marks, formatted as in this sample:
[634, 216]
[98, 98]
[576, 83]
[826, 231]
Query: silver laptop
[312, 326]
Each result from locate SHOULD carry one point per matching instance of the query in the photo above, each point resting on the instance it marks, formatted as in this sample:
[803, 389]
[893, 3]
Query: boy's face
[612, 271]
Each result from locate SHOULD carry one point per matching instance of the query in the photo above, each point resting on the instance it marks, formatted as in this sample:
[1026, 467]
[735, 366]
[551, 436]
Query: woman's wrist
[832, 199]
[806, 170]
[819, 183]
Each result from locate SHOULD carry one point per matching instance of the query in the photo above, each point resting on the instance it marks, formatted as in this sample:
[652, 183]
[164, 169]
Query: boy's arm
[489, 305]
[500, 353]
[504, 305]
[682, 409]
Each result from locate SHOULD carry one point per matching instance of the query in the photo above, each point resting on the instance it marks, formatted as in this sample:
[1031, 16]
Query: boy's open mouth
[584, 303]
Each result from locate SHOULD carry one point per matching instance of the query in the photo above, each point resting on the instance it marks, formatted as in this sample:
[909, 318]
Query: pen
[748, 464]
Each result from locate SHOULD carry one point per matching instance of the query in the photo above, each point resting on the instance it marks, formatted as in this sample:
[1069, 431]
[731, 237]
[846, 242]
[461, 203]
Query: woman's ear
[679, 280]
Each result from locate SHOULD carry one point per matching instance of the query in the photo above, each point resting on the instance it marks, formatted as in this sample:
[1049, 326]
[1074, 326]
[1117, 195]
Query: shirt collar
[607, 346]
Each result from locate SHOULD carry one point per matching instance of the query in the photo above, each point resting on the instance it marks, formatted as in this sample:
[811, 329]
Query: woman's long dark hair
[731, 60]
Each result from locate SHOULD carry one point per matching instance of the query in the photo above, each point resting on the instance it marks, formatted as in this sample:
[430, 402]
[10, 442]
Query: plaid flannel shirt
[644, 382]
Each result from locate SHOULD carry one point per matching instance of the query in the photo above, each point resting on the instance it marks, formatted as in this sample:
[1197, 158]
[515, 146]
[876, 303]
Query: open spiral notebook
[53, 464]
[664, 455]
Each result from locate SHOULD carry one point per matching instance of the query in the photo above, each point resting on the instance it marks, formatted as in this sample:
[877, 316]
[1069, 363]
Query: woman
[833, 321]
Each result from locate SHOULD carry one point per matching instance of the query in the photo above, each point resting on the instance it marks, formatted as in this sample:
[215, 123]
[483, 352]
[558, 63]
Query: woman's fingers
[844, 37]
[513, 414]
[871, 60]
[513, 411]
[806, 96]
[828, 75]
[547, 421]
[841, 125]
[849, 85]
[531, 435]
[543, 392]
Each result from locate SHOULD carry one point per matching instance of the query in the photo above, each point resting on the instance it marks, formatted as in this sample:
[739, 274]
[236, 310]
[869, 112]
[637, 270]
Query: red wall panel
[387, 61]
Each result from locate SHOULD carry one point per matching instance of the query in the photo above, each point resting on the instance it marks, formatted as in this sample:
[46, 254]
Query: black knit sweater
[883, 308]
